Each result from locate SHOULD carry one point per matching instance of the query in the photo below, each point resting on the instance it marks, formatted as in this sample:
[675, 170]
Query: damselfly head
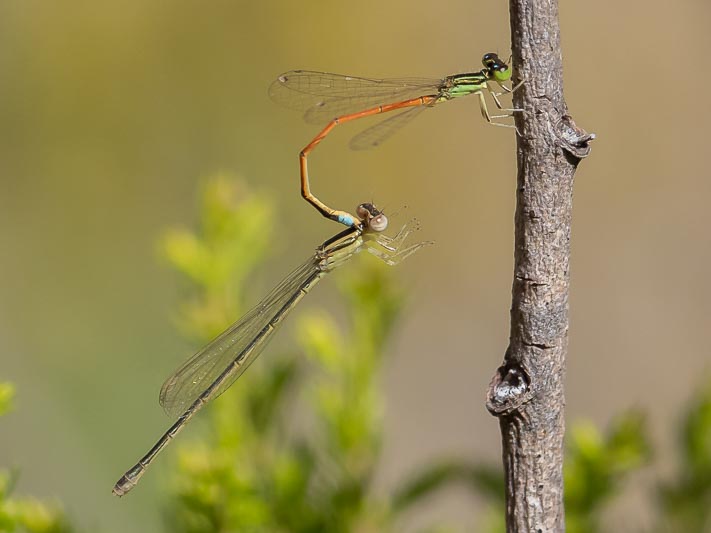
[372, 217]
[496, 68]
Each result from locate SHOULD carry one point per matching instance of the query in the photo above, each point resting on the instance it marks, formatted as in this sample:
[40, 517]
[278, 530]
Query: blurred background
[111, 114]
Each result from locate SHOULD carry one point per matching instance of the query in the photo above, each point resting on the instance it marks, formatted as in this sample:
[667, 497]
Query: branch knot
[574, 140]
[508, 390]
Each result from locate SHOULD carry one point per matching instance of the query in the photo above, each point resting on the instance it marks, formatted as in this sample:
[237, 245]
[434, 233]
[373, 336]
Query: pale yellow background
[110, 112]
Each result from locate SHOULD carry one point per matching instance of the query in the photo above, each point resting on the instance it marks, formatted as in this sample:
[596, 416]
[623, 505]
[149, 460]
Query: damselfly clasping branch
[335, 99]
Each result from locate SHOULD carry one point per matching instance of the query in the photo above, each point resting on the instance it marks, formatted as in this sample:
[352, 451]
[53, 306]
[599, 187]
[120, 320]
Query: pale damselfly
[213, 369]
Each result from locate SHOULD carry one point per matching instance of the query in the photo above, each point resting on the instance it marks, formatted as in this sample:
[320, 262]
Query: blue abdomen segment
[346, 220]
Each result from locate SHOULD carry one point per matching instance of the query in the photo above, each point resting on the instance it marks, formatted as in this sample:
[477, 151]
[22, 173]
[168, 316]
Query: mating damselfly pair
[334, 99]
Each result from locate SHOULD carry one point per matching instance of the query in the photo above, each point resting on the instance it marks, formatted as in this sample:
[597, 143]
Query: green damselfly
[335, 98]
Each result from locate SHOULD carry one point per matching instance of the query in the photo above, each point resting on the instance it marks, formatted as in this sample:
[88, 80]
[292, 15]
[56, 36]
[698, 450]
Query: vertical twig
[526, 392]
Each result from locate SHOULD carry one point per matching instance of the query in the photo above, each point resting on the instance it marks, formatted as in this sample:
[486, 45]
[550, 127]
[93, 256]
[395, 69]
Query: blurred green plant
[25, 514]
[686, 498]
[7, 393]
[596, 466]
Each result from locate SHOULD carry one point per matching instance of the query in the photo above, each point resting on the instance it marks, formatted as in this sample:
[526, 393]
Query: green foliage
[686, 499]
[280, 457]
[597, 465]
[25, 514]
[235, 233]
[7, 392]
[483, 479]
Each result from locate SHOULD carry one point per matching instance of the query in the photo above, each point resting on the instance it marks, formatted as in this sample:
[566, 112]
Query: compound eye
[367, 211]
[490, 59]
[378, 223]
[362, 212]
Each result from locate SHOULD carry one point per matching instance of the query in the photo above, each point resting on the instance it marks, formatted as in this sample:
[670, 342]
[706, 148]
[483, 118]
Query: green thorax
[462, 85]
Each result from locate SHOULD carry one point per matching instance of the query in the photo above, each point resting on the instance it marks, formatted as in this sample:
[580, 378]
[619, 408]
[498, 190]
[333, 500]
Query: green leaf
[597, 464]
[7, 393]
[480, 479]
[686, 498]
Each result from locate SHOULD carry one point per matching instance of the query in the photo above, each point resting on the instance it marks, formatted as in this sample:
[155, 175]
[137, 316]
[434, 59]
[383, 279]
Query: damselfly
[215, 368]
[336, 99]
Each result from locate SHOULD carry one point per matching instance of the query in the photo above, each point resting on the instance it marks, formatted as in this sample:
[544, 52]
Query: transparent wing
[377, 134]
[325, 96]
[236, 348]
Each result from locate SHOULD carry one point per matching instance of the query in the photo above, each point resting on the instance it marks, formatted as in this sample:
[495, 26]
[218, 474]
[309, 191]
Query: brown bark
[526, 392]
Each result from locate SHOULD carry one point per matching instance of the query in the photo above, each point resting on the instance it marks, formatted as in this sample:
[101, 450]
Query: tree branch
[526, 392]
